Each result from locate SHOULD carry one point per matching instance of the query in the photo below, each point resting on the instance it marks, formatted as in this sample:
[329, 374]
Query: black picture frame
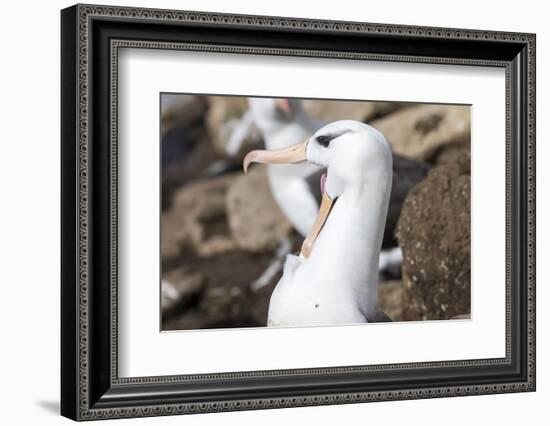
[90, 386]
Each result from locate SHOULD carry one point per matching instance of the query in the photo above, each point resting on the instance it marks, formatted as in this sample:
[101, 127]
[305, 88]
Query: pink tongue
[322, 182]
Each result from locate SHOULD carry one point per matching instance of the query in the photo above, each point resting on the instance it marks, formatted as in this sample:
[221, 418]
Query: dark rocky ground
[220, 230]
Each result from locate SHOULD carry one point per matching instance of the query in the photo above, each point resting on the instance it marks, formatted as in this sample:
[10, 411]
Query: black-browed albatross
[334, 280]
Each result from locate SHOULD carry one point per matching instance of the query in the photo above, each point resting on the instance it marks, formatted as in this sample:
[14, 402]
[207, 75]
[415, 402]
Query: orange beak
[291, 154]
[322, 216]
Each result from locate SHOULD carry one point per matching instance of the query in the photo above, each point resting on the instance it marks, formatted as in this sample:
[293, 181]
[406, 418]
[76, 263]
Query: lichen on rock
[434, 234]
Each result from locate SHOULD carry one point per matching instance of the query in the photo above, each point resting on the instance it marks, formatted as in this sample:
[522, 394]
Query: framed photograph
[263, 212]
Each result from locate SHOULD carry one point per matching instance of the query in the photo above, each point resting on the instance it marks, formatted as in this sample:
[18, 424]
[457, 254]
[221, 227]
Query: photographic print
[260, 183]
[288, 212]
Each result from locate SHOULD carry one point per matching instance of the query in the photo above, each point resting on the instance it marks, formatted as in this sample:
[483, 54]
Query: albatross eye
[324, 140]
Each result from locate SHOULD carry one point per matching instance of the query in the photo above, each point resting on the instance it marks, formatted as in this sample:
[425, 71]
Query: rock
[390, 297]
[177, 143]
[172, 236]
[197, 220]
[454, 154]
[256, 222]
[406, 174]
[180, 289]
[419, 132]
[181, 110]
[186, 168]
[185, 148]
[461, 317]
[328, 111]
[226, 300]
[434, 234]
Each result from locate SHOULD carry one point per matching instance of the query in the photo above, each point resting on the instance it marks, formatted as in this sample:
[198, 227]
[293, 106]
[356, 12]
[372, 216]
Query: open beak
[294, 154]
[291, 154]
[324, 211]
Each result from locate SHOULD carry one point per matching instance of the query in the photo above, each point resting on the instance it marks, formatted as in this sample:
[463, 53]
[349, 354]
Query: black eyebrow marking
[324, 140]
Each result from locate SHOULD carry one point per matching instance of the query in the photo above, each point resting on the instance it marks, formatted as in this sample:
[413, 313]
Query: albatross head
[270, 113]
[354, 154]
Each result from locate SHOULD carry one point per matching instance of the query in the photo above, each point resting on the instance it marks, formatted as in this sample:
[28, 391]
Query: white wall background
[29, 215]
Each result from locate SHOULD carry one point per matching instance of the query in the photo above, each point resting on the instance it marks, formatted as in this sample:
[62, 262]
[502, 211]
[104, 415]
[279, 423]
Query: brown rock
[185, 147]
[390, 296]
[419, 132]
[348, 110]
[186, 168]
[434, 234]
[172, 237]
[406, 174]
[198, 246]
[461, 317]
[226, 300]
[256, 222]
[454, 154]
[198, 220]
[181, 110]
